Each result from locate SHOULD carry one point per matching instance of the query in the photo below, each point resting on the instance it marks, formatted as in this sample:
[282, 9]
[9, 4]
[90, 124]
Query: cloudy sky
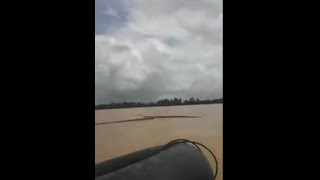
[146, 50]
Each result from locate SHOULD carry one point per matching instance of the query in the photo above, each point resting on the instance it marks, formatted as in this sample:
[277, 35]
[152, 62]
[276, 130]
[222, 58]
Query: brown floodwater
[122, 131]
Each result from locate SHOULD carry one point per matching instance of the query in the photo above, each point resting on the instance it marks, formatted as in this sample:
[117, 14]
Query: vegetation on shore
[164, 102]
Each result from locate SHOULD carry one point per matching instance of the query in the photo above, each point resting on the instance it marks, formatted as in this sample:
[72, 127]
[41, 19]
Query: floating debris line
[145, 118]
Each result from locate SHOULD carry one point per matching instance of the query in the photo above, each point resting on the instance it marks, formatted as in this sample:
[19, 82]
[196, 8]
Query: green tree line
[163, 102]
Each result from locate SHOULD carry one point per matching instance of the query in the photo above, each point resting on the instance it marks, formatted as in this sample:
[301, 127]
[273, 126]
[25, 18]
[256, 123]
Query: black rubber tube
[178, 162]
[126, 160]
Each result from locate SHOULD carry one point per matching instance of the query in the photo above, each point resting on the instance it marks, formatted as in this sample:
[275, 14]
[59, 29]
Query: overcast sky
[146, 50]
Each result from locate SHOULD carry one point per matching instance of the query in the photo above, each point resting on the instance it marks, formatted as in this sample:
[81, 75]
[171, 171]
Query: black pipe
[178, 162]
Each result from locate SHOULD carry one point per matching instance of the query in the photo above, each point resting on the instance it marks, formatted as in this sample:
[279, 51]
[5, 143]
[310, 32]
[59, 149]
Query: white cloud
[167, 48]
[111, 12]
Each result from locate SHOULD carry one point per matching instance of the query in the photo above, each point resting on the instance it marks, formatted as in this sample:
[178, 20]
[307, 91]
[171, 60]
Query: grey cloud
[166, 49]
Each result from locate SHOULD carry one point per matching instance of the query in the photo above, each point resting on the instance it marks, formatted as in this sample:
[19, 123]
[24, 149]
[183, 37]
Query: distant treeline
[164, 102]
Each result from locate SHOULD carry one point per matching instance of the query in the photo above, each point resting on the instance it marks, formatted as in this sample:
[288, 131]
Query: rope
[169, 144]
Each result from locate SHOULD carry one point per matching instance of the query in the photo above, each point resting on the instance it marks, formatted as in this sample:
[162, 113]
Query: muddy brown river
[122, 131]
